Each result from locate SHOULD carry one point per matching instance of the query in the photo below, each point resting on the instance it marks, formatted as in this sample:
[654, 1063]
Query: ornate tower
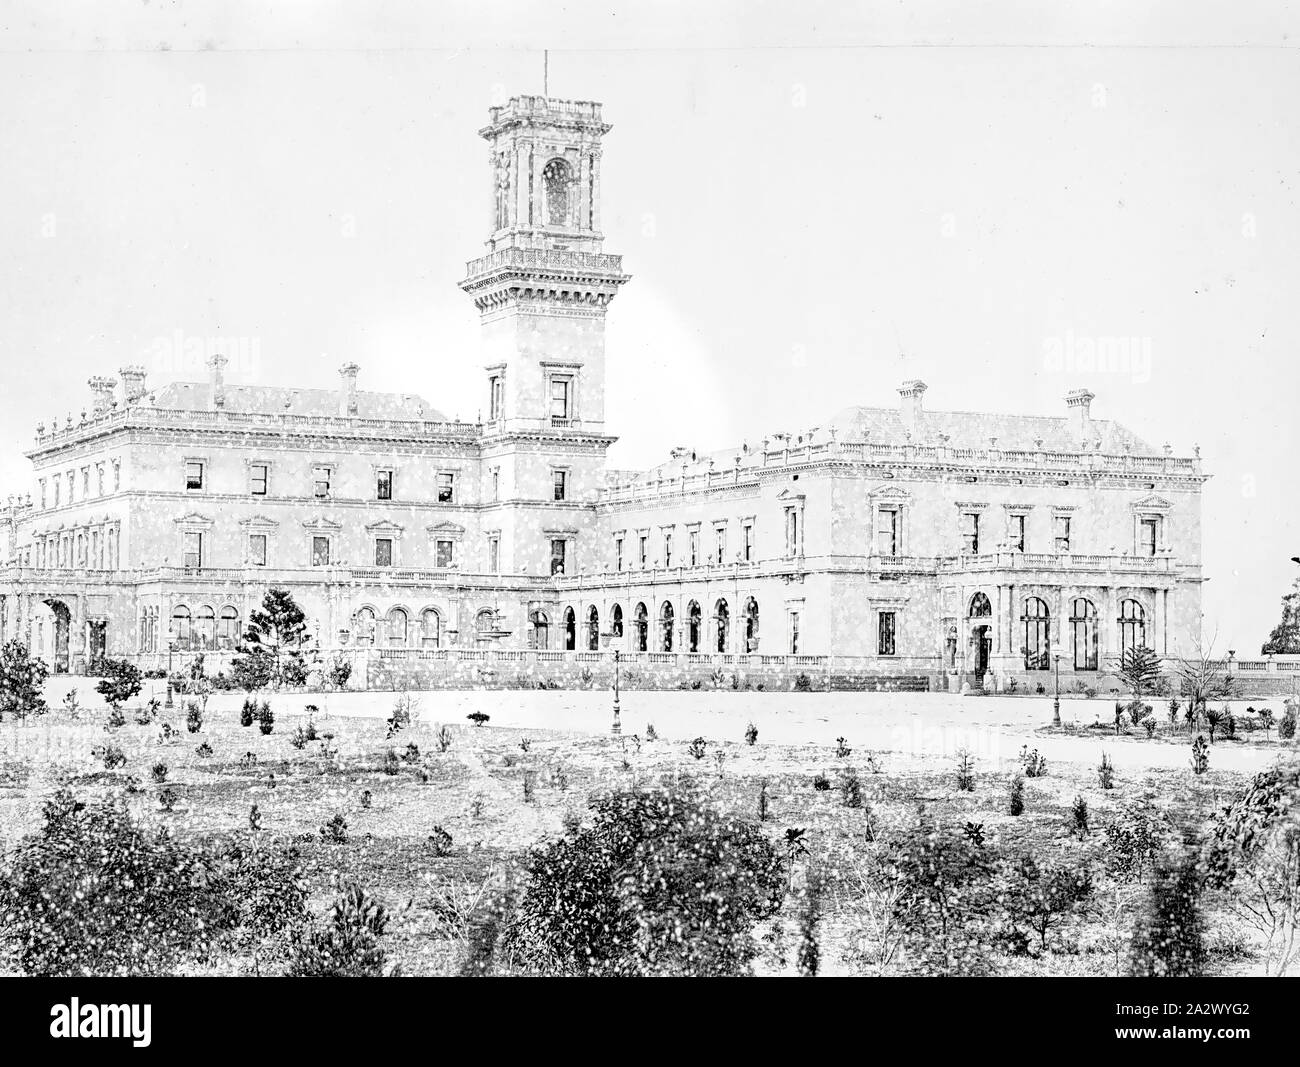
[544, 285]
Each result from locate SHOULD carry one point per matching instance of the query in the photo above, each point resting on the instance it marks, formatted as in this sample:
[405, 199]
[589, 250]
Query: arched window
[1038, 635]
[593, 629]
[541, 632]
[1132, 626]
[751, 625]
[1083, 634]
[557, 176]
[980, 606]
[666, 626]
[431, 628]
[205, 627]
[485, 626]
[616, 622]
[181, 625]
[693, 616]
[570, 630]
[639, 627]
[228, 635]
[397, 627]
[721, 623]
[365, 626]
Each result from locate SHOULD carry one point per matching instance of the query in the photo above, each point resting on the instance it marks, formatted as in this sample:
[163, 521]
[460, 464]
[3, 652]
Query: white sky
[815, 201]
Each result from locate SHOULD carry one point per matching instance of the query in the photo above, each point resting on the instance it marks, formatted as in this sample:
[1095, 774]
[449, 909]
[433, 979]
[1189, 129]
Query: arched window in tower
[751, 625]
[639, 629]
[1038, 635]
[570, 630]
[616, 622]
[556, 179]
[1083, 633]
[980, 607]
[593, 629]
[693, 616]
[666, 627]
[1132, 626]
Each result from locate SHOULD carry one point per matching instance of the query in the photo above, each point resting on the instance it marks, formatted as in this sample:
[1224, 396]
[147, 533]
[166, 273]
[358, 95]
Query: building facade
[902, 542]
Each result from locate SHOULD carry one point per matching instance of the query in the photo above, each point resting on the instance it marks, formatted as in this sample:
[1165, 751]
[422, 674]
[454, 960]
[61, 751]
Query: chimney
[1080, 419]
[102, 388]
[911, 406]
[217, 365]
[348, 391]
[132, 383]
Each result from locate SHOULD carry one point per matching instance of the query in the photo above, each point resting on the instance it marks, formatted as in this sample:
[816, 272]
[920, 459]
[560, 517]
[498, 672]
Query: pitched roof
[274, 400]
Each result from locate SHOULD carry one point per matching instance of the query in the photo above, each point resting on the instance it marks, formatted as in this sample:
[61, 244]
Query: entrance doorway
[983, 641]
[98, 639]
[62, 633]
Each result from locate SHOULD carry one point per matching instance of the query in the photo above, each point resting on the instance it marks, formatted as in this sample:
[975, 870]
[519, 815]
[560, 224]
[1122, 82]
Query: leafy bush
[443, 738]
[298, 738]
[965, 772]
[193, 716]
[347, 944]
[158, 772]
[842, 749]
[392, 764]
[440, 841]
[338, 672]
[335, 831]
[1079, 816]
[650, 734]
[659, 884]
[851, 788]
[1169, 938]
[265, 718]
[204, 750]
[248, 712]
[478, 718]
[113, 757]
[1200, 755]
[1132, 842]
[1286, 725]
[751, 734]
[1033, 765]
[821, 783]
[1106, 773]
[802, 683]
[1041, 898]
[167, 798]
[406, 712]
[120, 683]
[1016, 796]
[697, 747]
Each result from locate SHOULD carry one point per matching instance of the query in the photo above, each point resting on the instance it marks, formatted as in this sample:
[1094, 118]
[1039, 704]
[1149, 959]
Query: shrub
[751, 734]
[659, 884]
[167, 798]
[1033, 765]
[147, 713]
[478, 718]
[113, 757]
[440, 841]
[265, 718]
[974, 833]
[697, 747]
[1200, 755]
[1149, 725]
[851, 788]
[1132, 842]
[92, 893]
[1016, 796]
[335, 831]
[392, 764]
[158, 772]
[802, 683]
[367, 798]
[530, 786]
[115, 718]
[1266, 720]
[248, 712]
[1229, 724]
[338, 672]
[167, 733]
[443, 738]
[412, 753]
[1173, 713]
[809, 954]
[1079, 817]
[1213, 720]
[1040, 898]
[821, 783]
[1106, 773]
[298, 738]
[762, 801]
[1168, 940]
[254, 818]
[965, 772]
[406, 712]
[193, 716]
[347, 944]
[1286, 726]
[120, 683]
[650, 734]
[842, 749]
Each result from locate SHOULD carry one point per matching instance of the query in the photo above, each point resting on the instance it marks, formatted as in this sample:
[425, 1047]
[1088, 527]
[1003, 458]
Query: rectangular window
[117, 475]
[85, 482]
[970, 533]
[694, 545]
[618, 553]
[257, 550]
[560, 480]
[791, 531]
[668, 548]
[885, 633]
[1062, 533]
[41, 483]
[257, 478]
[445, 551]
[794, 633]
[560, 399]
[99, 479]
[193, 475]
[320, 477]
[496, 483]
[719, 544]
[383, 551]
[494, 555]
[383, 485]
[446, 488]
[747, 541]
[886, 532]
[1148, 537]
[320, 551]
[193, 550]
[496, 397]
[558, 549]
[642, 552]
[58, 489]
[1017, 535]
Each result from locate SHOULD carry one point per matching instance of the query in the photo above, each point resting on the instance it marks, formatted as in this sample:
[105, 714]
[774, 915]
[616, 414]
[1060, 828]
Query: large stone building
[900, 542]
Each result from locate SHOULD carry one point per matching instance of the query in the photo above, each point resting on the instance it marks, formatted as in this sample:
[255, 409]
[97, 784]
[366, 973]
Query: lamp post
[171, 646]
[618, 726]
[1056, 699]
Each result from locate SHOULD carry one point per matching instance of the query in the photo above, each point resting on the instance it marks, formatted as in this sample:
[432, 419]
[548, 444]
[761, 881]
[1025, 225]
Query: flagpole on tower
[546, 73]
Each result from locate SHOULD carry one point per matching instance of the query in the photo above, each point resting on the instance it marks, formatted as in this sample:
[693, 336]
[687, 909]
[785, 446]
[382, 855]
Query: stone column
[1108, 627]
[77, 635]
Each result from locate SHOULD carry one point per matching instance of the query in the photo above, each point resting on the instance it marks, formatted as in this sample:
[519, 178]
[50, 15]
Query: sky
[815, 202]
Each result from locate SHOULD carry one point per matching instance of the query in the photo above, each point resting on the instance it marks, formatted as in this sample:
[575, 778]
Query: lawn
[517, 781]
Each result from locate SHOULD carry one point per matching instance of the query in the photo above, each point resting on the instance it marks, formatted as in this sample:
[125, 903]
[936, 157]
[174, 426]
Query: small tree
[1139, 669]
[1169, 940]
[1041, 898]
[278, 629]
[121, 682]
[22, 677]
[1285, 638]
[347, 944]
